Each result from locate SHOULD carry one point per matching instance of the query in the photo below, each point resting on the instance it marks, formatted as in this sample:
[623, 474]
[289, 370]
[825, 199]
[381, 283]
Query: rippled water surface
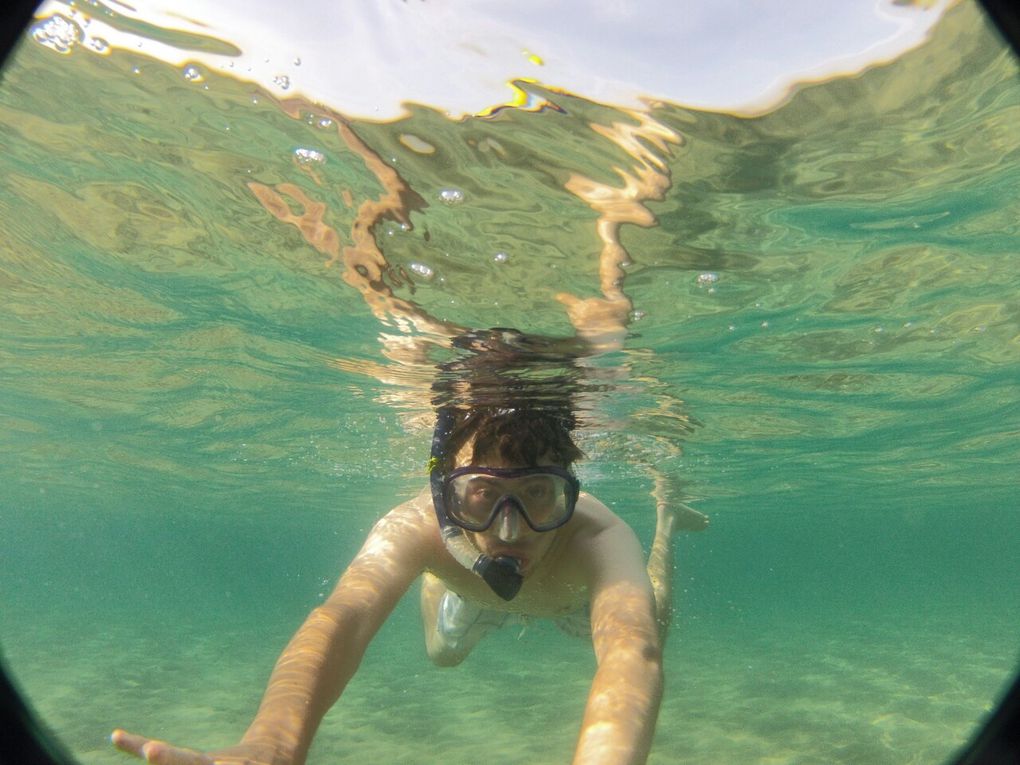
[223, 313]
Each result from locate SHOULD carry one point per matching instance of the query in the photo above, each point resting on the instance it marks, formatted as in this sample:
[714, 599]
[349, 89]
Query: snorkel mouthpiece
[502, 574]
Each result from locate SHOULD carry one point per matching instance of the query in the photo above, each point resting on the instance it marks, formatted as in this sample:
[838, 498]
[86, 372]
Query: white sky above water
[367, 57]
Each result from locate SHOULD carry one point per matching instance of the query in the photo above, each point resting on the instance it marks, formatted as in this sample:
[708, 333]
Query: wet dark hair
[521, 436]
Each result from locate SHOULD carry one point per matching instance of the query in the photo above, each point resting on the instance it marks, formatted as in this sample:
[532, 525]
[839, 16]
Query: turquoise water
[212, 382]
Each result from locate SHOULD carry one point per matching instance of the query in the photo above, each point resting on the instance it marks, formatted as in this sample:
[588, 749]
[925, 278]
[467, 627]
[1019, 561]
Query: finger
[162, 753]
[156, 752]
[568, 300]
[128, 742]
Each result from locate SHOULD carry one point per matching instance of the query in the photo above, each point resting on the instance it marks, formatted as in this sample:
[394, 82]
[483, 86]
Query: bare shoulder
[414, 512]
[408, 532]
[602, 540]
[594, 519]
[394, 554]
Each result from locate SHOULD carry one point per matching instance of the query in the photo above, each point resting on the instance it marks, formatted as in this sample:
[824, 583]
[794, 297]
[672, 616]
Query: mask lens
[545, 498]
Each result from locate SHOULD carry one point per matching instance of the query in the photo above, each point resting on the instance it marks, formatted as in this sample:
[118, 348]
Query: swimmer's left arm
[623, 704]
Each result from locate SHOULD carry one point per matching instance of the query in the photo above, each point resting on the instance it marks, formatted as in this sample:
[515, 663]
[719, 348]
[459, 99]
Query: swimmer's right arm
[320, 659]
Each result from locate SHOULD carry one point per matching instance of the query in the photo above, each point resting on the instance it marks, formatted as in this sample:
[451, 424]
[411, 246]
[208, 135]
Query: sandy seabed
[878, 692]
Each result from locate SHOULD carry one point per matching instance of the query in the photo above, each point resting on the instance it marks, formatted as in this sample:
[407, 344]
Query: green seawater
[205, 404]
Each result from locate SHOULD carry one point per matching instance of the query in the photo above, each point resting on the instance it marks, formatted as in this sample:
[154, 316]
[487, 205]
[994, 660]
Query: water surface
[222, 313]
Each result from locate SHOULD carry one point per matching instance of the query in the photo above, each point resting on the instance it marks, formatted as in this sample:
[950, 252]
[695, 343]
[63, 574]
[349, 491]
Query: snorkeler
[503, 529]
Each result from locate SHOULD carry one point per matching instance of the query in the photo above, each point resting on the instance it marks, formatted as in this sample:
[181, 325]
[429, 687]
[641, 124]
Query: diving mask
[545, 496]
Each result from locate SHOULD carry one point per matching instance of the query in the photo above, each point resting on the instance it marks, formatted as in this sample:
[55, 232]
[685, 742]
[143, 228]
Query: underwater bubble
[99, 45]
[309, 156]
[325, 122]
[637, 314]
[422, 270]
[451, 196]
[193, 74]
[58, 33]
[501, 257]
[281, 81]
[707, 278]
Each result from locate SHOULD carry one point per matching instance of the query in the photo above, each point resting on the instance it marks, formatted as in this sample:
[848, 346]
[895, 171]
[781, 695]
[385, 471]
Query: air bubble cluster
[451, 196]
[707, 279]
[422, 270]
[58, 33]
[309, 156]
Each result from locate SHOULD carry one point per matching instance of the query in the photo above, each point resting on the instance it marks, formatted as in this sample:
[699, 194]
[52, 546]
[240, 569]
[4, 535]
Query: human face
[510, 533]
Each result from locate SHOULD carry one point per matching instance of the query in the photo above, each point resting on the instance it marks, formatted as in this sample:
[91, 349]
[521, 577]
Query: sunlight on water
[225, 312]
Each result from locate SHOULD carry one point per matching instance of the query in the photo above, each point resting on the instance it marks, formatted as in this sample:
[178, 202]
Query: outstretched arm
[623, 704]
[321, 658]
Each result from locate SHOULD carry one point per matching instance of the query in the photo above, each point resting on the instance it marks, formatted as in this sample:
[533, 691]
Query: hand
[599, 321]
[162, 753]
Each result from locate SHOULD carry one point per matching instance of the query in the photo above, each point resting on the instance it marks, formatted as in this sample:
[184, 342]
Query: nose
[508, 525]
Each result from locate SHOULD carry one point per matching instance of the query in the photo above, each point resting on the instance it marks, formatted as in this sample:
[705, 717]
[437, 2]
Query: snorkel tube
[502, 573]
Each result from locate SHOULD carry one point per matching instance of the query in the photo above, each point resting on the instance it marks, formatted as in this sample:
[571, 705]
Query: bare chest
[554, 592]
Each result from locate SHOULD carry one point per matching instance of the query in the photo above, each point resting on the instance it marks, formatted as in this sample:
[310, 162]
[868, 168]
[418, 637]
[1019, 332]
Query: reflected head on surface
[510, 396]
